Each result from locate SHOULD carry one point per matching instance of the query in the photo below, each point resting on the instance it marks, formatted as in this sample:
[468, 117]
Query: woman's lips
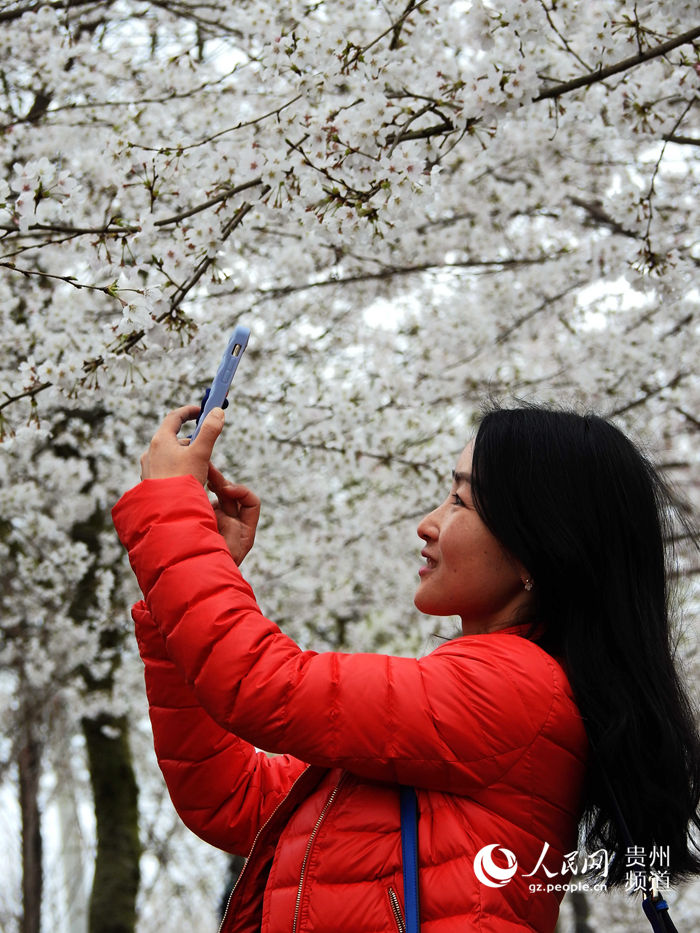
[430, 564]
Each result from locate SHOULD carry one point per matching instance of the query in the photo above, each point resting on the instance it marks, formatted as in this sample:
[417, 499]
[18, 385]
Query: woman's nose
[428, 527]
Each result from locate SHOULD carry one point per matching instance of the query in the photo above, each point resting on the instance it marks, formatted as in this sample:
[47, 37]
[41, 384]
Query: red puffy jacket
[485, 727]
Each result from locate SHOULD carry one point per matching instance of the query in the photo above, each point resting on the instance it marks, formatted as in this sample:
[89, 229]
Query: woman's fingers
[235, 499]
[168, 456]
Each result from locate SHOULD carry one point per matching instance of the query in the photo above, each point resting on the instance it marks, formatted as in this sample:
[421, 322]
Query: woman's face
[467, 572]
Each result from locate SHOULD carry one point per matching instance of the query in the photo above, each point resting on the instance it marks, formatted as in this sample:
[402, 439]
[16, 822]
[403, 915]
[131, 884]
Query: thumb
[210, 430]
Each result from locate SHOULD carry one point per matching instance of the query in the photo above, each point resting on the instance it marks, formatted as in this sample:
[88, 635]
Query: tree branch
[506, 332]
[230, 192]
[396, 38]
[355, 454]
[180, 293]
[100, 104]
[127, 344]
[387, 273]
[9, 15]
[681, 140]
[603, 73]
[395, 28]
[229, 129]
[595, 211]
[651, 258]
[438, 129]
[648, 392]
[564, 41]
[68, 279]
[29, 393]
[188, 13]
[688, 417]
[113, 229]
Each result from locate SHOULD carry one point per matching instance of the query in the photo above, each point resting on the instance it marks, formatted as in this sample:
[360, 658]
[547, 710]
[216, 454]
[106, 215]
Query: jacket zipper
[396, 907]
[309, 845]
[257, 836]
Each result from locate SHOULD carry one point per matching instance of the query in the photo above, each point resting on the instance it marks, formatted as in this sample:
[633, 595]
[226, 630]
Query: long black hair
[590, 518]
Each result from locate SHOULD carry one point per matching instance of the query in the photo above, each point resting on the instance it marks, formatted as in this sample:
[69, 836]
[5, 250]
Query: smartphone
[215, 396]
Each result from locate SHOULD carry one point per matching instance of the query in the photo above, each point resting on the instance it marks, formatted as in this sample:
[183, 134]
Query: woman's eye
[456, 500]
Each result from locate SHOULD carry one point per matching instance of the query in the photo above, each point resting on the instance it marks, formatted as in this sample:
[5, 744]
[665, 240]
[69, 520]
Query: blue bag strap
[654, 906]
[409, 853]
[656, 911]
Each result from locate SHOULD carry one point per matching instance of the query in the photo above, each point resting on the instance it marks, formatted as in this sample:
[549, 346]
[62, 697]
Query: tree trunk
[116, 881]
[71, 865]
[581, 910]
[115, 794]
[29, 760]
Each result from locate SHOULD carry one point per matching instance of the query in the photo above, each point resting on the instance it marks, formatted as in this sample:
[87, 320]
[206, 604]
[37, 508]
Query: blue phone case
[215, 396]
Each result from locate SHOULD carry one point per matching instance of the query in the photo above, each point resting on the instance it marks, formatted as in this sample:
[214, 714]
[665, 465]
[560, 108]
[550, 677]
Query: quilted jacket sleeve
[222, 788]
[456, 720]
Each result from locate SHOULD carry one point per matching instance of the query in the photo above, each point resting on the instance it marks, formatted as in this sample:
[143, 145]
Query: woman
[549, 547]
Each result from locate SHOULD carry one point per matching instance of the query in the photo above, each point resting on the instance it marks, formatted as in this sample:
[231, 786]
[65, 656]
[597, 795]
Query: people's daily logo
[573, 871]
[486, 870]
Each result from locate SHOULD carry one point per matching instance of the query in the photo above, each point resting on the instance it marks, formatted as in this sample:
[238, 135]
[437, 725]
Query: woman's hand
[237, 509]
[237, 512]
[169, 455]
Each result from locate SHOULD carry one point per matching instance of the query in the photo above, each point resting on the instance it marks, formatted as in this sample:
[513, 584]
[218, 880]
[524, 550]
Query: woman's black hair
[590, 519]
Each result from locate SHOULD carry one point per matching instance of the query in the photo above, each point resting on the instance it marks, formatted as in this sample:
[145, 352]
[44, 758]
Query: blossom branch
[564, 41]
[39, 108]
[356, 454]
[183, 11]
[17, 12]
[28, 393]
[68, 279]
[601, 74]
[230, 129]
[651, 258]
[114, 229]
[594, 210]
[181, 292]
[391, 271]
[648, 392]
[126, 344]
[394, 28]
[681, 140]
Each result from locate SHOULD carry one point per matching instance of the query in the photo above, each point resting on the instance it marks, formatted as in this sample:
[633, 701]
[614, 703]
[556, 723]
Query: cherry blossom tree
[411, 204]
